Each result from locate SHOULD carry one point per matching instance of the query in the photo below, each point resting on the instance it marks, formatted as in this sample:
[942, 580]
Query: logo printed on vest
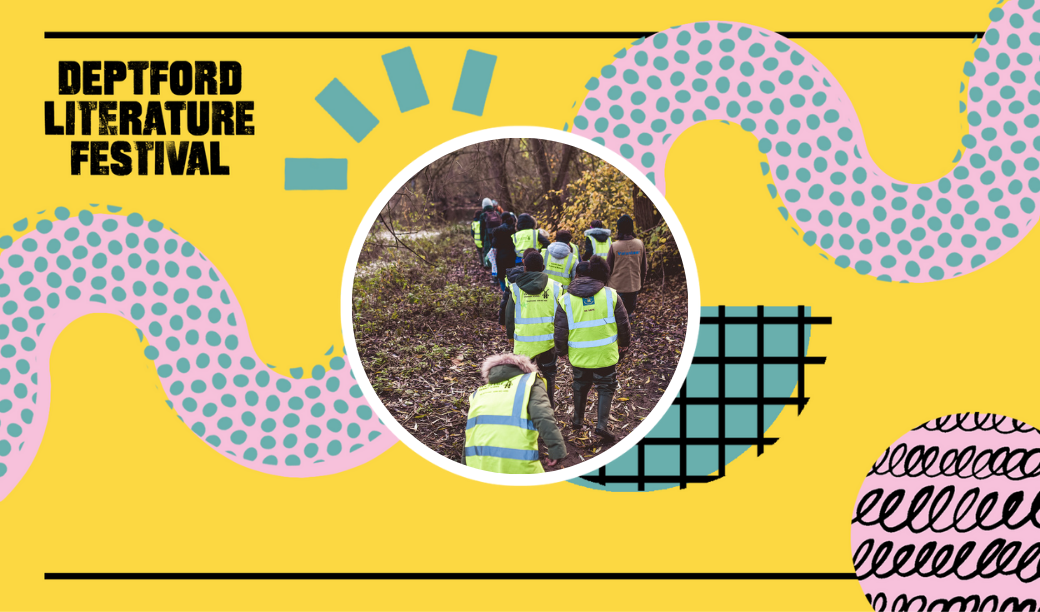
[588, 301]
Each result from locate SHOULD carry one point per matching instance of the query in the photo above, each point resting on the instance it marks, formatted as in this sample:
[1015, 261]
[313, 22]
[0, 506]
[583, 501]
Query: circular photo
[520, 306]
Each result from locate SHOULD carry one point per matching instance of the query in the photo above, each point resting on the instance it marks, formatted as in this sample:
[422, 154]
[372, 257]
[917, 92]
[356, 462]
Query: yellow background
[120, 485]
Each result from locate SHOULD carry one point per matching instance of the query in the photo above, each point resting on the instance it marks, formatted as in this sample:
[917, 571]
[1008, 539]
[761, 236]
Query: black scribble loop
[968, 561]
[962, 603]
[978, 421]
[901, 460]
[928, 511]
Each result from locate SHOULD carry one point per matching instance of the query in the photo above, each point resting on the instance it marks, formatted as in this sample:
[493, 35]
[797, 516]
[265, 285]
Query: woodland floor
[424, 359]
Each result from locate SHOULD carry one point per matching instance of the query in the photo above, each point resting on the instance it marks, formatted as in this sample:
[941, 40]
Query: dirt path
[425, 376]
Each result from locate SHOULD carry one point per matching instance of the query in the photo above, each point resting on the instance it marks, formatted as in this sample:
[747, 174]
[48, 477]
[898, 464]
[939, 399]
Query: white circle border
[693, 302]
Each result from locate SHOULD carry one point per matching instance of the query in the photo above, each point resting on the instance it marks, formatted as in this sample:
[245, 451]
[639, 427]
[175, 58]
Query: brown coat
[627, 261]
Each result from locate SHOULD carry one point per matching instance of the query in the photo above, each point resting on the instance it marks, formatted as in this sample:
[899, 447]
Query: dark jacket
[502, 240]
[485, 229]
[584, 286]
[599, 234]
[503, 367]
[529, 282]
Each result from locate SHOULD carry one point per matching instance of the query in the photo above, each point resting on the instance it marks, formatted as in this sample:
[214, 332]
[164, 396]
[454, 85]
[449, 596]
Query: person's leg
[582, 385]
[501, 283]
[547, 366]
[605, 380]
[629, 300]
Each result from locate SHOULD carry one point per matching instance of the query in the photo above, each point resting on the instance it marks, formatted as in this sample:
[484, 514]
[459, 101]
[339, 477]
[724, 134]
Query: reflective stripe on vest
[533, 321]
[592, 336]
[520, 241]
[500, 437]
[601, 248]
[559, 269]
[476, 233]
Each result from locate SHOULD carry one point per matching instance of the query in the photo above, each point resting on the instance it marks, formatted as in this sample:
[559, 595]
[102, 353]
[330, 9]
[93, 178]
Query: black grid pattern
[685, 403]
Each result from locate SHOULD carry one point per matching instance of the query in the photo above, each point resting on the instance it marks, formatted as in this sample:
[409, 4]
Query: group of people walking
[558, 300]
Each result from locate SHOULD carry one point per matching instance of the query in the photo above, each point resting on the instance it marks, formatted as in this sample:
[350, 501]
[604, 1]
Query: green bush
[407, 290]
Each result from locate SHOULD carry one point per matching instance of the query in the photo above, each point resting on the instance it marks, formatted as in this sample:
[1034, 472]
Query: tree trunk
[646, 213]
[552, 187]
[500, 153]
[561, 180]
[541, 162]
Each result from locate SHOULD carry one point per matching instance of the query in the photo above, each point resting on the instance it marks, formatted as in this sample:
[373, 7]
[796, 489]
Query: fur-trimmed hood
[559, 250]
[497, 368]
[599, 233]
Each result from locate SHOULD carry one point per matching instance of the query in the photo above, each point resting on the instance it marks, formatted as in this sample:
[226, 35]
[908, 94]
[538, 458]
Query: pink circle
[947, 517]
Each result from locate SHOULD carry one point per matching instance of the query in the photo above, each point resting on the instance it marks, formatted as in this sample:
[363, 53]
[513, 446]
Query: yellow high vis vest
[592, 339]
[525, 239]
[500, 436]
[533, 317]
[477, 238]
[601, 248]
[560, 270]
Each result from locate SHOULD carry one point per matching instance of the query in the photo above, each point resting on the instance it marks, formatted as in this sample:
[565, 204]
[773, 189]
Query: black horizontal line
[731, 360]
[732, 320]
[915, 34]
[740, 401]
[473, 35]
[449, 576]
[707, 441]
[636, 478]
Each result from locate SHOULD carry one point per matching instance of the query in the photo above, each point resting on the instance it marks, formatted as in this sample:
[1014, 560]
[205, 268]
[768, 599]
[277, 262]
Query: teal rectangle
[315, 174]
[405, 79]
[474, 83]
[347, 110]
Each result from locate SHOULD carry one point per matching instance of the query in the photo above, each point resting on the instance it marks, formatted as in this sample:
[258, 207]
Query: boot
[579, 409]
[603, 415]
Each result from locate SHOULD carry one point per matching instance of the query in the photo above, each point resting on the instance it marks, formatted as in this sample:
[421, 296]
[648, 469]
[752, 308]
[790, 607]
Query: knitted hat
[625, 225]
